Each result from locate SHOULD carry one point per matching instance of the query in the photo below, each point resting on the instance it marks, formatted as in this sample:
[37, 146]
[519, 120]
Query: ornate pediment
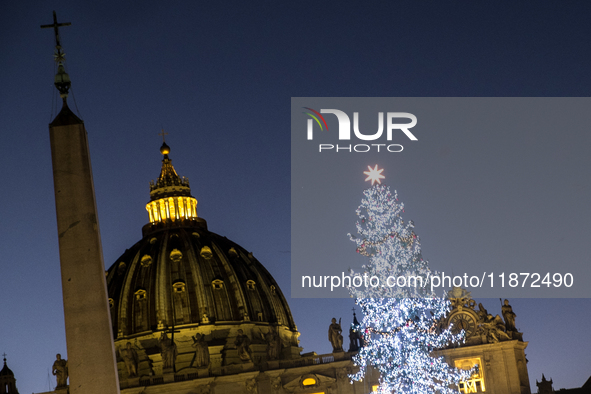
[479, 326]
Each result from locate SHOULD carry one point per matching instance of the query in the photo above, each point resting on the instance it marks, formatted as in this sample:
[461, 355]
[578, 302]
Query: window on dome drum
[250, 284]
[260, 316]
[476, 382]
[140, 294]
[217, 284]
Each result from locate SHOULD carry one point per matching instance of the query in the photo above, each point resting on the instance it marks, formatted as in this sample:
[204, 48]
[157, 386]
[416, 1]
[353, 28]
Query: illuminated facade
[497, 348]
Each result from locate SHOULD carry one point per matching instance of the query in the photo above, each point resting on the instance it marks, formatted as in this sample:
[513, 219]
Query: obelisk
[91, 354]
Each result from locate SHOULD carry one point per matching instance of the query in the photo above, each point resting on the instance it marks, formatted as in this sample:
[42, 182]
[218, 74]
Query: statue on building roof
[492, 330]
[242, 343]
[60, 371]
[460, 297]
[201, 350]
[273, 344]
[482, 312]
[131, 359]
[168, 351]
[334, 335]
[509, 316]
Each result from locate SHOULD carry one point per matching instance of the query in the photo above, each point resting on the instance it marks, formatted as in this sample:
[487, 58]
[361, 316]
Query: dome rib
[234, 285]
[201, 297]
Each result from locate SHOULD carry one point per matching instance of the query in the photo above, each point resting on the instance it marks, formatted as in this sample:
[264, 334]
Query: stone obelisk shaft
[91, 354]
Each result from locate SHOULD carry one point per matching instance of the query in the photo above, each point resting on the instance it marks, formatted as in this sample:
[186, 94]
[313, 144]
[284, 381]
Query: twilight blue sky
[218, 76]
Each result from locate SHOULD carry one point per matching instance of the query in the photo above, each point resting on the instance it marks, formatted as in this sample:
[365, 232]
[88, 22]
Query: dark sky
[218, 77]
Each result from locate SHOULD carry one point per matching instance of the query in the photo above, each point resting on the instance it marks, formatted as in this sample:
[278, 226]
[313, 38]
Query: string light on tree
[400, 327]
[366, 247]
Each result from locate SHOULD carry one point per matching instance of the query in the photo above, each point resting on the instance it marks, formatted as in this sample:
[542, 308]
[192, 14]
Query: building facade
[493, 343]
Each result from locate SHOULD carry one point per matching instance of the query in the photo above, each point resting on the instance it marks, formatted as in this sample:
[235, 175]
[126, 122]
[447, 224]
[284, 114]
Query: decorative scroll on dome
[206, 252]
[176, 255]
[146, 260]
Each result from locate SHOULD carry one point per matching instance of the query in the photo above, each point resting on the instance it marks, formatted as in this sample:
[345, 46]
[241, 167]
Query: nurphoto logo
[393, 126]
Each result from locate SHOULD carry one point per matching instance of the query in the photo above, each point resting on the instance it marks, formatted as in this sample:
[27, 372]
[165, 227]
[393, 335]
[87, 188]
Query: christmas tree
[400, 328]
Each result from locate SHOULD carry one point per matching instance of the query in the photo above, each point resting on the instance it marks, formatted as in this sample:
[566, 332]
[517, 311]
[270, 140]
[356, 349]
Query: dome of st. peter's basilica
[181, 280]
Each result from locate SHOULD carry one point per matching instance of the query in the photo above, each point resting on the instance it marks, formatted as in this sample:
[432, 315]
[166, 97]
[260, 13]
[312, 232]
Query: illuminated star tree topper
[374, 175]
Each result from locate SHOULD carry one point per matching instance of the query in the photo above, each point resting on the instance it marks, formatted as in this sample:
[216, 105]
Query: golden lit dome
[182, 275]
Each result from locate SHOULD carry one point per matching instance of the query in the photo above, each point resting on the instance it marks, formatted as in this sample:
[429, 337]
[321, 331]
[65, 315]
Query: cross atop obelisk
[62, 79]
[56, 27]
